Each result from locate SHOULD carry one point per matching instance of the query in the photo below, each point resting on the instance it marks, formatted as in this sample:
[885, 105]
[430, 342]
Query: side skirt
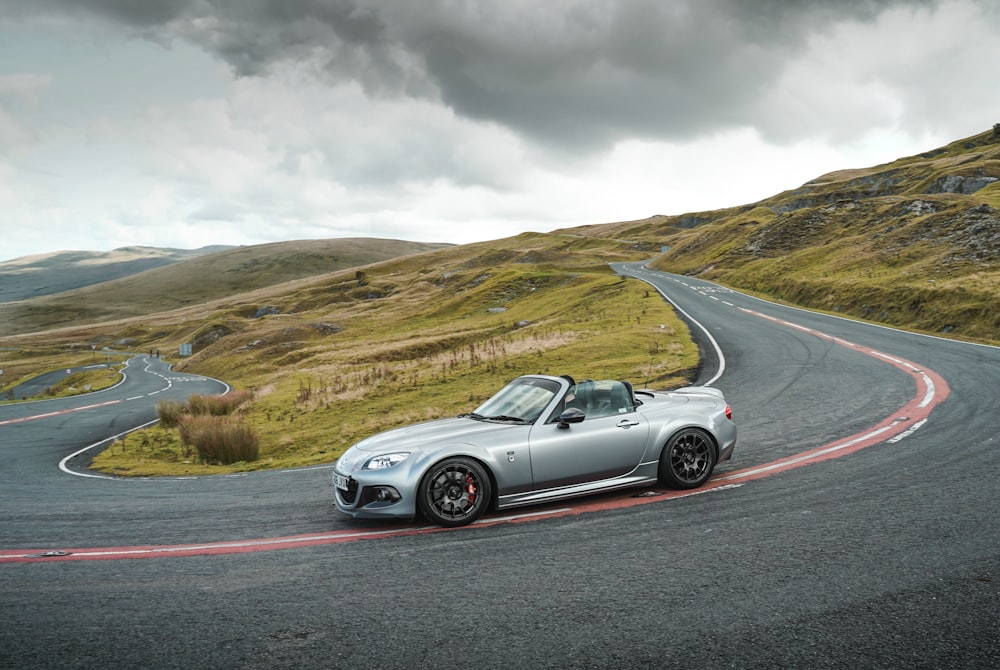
[590, 488]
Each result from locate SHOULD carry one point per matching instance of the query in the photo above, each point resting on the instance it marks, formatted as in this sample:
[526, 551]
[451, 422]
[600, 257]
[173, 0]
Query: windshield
[520, 401]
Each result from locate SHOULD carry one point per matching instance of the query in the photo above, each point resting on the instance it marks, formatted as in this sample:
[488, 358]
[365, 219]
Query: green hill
[197, 280]
[913, 243]
[45, 274]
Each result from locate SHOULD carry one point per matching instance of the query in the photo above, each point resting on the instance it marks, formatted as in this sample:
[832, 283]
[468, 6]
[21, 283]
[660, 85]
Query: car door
[594, 449]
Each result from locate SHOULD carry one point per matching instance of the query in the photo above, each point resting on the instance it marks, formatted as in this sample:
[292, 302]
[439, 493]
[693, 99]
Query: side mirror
[571, 415]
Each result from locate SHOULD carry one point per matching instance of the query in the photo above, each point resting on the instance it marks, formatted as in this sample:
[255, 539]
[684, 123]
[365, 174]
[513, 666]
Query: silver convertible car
[539, 439]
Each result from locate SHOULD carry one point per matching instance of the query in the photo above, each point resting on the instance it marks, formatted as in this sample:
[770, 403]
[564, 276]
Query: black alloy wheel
[688, 459]
[454, 492]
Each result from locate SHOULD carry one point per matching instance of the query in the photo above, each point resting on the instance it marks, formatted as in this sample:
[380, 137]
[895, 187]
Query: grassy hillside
[198, 280]
[913, 243]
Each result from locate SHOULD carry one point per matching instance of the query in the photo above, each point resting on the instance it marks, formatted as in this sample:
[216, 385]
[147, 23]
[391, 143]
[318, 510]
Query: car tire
[454, 492]
[687, 460]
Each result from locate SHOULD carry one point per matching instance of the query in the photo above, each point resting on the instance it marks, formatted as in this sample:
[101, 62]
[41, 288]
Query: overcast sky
[182, 123]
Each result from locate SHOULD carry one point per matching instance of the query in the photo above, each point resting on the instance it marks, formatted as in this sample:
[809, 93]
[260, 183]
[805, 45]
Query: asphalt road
[855, 527]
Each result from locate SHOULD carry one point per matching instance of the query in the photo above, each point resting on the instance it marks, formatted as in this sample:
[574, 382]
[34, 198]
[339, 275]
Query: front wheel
[454, 492]
[688, 459]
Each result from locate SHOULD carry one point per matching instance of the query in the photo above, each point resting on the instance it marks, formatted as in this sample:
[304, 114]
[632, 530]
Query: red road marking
[62, 411]
[931, 391]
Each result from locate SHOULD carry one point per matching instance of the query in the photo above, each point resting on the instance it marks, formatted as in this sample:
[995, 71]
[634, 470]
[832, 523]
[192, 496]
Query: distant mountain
[45, 274]
[198, 278]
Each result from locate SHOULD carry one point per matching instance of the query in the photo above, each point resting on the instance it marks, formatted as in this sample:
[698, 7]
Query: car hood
[431, 433]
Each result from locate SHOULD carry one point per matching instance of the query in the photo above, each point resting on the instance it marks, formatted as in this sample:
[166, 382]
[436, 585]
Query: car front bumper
[374, 494]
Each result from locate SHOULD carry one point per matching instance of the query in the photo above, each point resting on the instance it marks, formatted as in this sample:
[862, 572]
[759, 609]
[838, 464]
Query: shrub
[218, 440]
[170, 412]
[216, 405]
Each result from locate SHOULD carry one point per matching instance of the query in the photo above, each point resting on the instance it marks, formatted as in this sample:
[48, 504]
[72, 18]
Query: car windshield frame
[521, 401]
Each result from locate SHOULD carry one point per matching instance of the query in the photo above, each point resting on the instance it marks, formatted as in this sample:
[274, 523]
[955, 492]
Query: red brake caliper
[470, 487]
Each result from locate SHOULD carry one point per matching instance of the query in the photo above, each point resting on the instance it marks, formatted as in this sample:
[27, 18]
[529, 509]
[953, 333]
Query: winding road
[856, 526]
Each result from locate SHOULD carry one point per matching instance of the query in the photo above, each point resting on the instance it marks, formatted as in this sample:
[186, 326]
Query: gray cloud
[564, 72]
[458, 119]
[145, 14]
[570, 75]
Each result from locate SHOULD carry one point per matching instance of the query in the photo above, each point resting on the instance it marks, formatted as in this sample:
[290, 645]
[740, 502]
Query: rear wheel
[454, 492]
[688, 459]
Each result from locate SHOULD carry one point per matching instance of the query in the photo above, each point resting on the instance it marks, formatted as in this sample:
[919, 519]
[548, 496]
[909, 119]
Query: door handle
[625, 423]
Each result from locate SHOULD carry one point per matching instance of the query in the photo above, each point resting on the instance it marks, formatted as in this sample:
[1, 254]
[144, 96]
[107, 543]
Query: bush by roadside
[205, 422]
[220, 440]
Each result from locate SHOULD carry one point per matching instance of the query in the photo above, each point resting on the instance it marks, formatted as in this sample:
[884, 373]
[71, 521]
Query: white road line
[63, 462]
[808, 457]
[237, 545]
[906, 433]
[58, 412]
[715, 345]
[860, 322]
[526, 515]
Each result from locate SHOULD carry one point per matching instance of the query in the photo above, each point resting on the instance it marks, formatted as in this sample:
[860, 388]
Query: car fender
[508, 467]
[671, 428]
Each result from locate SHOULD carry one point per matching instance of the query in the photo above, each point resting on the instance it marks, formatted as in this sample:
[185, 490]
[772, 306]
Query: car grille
[351, 494]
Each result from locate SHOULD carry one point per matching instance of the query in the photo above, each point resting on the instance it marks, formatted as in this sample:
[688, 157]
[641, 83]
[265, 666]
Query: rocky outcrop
[210, 336]
[268, 310]
[817, 193]
[954, 183]
[325, 328]
[977, 234]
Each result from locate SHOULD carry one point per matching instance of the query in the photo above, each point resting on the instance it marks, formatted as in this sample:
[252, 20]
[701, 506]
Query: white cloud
[19, 98]
[182, 124]
[919, 71]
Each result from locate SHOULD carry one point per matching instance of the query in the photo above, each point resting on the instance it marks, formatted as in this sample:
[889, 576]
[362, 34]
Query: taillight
[729, 412]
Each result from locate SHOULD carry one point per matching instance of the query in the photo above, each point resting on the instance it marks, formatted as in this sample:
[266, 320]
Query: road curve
[883, 552]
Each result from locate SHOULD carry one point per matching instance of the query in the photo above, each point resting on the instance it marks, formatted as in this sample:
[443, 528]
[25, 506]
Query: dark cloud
[567, 74]
[127, 12]
[604, 71]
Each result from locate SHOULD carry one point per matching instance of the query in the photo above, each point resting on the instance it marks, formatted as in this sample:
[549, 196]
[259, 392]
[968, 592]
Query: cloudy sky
[183, 123]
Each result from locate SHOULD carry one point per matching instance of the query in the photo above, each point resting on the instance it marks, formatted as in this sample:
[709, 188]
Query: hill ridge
[188, 280]
[912, 243]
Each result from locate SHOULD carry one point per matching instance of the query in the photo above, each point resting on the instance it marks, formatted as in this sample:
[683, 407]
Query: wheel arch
[666, 435]
[483, 463]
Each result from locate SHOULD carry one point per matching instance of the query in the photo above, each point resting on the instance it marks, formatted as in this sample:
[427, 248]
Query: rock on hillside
[964, 168]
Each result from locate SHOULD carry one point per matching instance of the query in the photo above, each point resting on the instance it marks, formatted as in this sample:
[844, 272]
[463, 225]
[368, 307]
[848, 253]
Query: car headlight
[386, 460]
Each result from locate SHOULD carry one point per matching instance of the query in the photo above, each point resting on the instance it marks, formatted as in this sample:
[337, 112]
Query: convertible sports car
[539, 439]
